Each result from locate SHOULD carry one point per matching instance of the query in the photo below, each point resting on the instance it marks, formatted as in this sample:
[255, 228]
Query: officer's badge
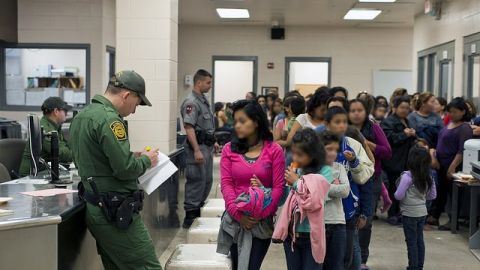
[118, 130]
[189, 109]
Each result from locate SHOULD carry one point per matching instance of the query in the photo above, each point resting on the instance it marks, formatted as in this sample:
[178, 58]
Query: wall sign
[270, 65]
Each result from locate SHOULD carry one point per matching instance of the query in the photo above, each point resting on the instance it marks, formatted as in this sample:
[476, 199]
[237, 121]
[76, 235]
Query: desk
[50, 232]
[474, 233]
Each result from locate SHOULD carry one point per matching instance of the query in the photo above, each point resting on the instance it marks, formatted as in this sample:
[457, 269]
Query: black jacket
[400, 143]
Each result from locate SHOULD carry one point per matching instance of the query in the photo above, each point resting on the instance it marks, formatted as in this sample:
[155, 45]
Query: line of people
[326, 161]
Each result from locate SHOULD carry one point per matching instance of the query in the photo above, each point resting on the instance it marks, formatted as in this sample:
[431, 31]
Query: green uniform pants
[130, 249]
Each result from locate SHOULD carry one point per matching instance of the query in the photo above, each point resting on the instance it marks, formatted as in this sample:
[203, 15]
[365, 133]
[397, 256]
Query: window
[435, 70]
[34, 72]
[306, 74]
[109, 63]
[445, 80]
[474, 76]
[233, 77]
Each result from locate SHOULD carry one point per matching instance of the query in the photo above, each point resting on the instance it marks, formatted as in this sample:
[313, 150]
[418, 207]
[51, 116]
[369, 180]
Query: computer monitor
[35, 142]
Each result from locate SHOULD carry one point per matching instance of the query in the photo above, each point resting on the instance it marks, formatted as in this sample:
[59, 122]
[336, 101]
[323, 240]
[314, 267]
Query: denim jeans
[365, 234]
[413, 230]
[357, 253]
[257, 254]
[336, 239]
[353, 256]
[301, 257]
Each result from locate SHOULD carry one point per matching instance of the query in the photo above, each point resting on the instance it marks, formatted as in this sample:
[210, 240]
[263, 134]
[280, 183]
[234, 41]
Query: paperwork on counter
[48, 192]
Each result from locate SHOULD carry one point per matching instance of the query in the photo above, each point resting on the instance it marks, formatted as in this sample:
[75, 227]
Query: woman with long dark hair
[401, 138]
[450, 154]
[313, 118]
[249, 159]
[376, 140]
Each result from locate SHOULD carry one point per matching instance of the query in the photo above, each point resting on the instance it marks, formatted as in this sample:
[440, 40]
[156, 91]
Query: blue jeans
[301, 257]
[353, 257]
[357, 253]
[257, 254]
[413, 230]
[336, 239]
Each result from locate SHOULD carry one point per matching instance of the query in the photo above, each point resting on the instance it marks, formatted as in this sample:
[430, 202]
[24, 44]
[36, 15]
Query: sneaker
[445, 227]
[364, 267]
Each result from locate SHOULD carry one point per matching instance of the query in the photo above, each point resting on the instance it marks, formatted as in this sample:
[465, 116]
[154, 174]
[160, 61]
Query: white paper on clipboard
[156, 176]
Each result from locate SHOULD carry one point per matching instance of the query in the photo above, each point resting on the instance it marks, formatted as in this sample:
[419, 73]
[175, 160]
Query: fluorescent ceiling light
[376, 1]
[233, 13]
[361, 14]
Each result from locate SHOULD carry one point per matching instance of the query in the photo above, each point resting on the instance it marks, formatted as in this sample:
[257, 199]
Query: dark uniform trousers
[199, 178]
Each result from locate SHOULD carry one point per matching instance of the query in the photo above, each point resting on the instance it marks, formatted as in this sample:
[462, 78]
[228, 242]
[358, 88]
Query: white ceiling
[299, 12]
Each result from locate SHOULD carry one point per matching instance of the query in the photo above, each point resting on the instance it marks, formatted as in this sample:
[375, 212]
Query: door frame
[434, 57]
[289, 60]
[235, 58]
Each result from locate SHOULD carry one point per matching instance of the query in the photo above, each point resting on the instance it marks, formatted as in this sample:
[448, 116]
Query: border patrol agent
[109, 173]
[199, 125]
[54, 115]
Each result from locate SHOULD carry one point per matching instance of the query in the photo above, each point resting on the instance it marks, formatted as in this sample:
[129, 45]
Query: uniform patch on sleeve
[118, 130]
[189, 109]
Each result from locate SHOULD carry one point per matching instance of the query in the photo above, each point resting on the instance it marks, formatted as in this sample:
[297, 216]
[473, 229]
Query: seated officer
[54, 115]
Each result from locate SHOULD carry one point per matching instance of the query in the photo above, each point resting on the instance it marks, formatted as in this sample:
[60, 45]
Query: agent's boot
[190, 217]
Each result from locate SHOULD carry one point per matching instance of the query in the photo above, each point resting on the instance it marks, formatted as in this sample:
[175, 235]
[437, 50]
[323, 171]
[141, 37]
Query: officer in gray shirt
[199, 125]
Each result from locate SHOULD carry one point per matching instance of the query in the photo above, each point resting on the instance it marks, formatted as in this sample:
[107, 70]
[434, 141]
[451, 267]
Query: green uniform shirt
[100, 147]
[65, 154]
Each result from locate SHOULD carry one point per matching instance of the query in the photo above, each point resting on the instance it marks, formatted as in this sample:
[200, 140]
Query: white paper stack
[156, 176]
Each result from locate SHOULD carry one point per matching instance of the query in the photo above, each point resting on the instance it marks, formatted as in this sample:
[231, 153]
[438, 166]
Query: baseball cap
[132, 81]
[55, 103]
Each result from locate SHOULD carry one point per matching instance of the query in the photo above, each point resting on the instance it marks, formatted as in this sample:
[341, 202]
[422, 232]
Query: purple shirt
[451, 141]
[383, 149]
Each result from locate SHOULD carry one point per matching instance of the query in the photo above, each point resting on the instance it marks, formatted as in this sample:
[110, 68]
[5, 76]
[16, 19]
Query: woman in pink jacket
[249, 160]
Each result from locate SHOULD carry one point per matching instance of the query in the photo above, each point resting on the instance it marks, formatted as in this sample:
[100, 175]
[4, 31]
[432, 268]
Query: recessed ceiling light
[377, 1]
[233, 13]
[361, 14]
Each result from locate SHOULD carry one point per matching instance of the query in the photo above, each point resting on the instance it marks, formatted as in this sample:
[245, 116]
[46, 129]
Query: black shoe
[190, 217]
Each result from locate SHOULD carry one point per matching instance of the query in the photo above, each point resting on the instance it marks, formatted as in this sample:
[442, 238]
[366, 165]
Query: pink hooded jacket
[309, 199]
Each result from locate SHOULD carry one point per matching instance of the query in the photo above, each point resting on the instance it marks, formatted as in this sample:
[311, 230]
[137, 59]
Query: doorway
[233, 77]
[307, 74]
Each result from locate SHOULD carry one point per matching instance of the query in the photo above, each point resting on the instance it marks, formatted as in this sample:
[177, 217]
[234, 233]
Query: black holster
[118, 208]
[205, 138]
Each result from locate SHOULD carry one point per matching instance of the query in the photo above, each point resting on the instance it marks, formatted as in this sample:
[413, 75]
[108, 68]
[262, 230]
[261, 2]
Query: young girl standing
[415, 188]
[301, 223]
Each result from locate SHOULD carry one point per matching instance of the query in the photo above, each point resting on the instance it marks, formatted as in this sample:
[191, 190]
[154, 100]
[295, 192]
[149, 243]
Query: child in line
[336, 235]
[359, 169]
[301, 225]
[416, 186]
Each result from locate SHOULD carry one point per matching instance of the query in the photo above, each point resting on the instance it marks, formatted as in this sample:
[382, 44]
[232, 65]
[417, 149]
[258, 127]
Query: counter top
[36, 211]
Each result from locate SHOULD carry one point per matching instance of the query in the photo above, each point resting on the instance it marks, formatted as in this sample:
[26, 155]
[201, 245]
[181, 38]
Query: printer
[471, 154]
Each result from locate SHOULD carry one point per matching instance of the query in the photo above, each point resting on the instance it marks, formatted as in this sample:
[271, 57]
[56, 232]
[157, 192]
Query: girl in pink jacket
[301, 223]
